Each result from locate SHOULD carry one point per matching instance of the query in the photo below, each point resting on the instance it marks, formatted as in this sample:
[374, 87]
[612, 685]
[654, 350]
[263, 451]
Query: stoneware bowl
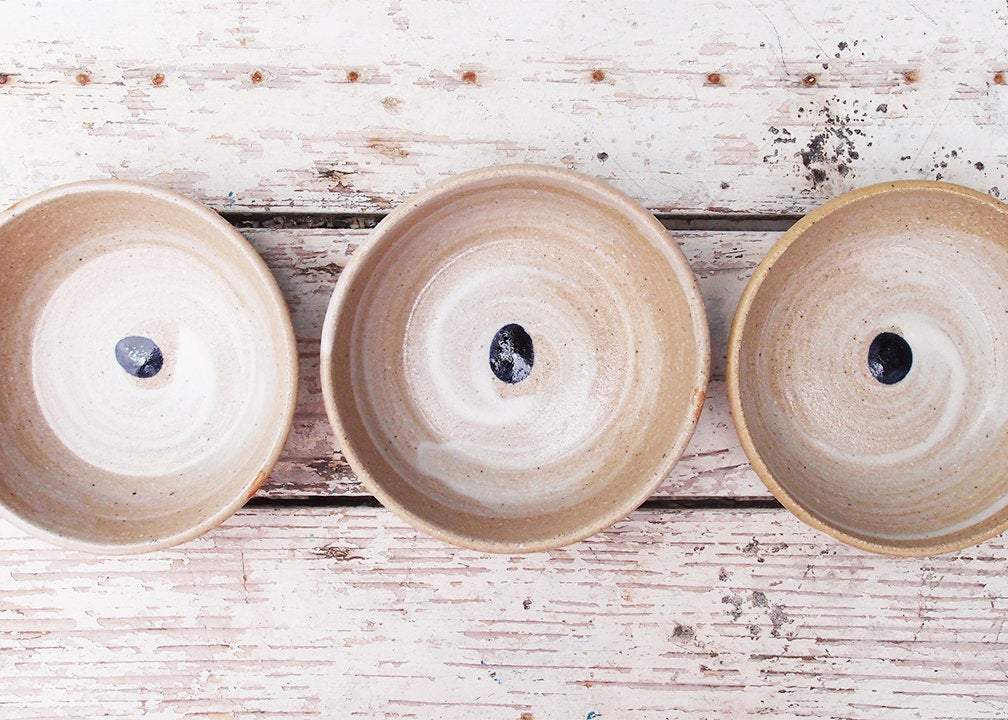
[867, 368]
[516, 359]
[147, 367]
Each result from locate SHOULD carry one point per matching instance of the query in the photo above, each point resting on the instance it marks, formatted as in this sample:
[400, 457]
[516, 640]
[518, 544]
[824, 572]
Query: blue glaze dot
[139, 356]
[889, 358]
[511, 354]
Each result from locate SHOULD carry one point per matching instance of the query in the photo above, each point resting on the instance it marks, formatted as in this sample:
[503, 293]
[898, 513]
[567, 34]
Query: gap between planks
[364, 221]
[651, 504]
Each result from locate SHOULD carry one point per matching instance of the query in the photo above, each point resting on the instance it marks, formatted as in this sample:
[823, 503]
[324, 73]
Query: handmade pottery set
[514, 361]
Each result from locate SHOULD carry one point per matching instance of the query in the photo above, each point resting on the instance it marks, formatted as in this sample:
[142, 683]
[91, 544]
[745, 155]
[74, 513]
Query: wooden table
[302, 123]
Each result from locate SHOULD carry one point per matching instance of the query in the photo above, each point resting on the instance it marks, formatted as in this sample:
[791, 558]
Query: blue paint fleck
[231, 197]
[493, 674]
[592, 715]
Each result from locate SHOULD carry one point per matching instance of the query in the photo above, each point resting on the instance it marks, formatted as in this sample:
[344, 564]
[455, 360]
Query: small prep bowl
[866, 368]
[516, 359]
[147, 367]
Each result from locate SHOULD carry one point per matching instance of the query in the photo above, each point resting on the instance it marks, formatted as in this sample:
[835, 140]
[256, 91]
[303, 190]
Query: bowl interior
[516, 360]
[871, 365]
[146, 371]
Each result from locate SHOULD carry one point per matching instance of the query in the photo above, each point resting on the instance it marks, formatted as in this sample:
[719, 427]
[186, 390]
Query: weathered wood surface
[307, 263]
[762, 107]
[755, 107]
[340, 613]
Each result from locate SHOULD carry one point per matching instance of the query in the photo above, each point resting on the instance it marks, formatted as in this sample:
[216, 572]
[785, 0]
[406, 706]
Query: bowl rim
[918, 549]
[586, 186]
[283, 329]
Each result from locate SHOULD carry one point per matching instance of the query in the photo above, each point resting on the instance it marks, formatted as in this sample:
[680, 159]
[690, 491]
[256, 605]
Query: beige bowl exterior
[92, 457]
[926, 260]
[618, 378]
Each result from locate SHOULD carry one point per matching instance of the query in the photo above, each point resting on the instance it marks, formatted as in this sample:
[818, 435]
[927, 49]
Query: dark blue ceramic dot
[889, 358]
[139, 356]
[511, 354]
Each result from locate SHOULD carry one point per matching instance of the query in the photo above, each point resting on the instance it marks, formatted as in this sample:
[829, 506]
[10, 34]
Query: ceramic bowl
[866, 368]
[516, 359]
[147, 367]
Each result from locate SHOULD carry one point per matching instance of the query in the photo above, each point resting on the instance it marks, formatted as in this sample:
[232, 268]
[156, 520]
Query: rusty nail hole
[713, 78]
[910, 76]
[257, 77]
[598, 75]
[469, 77]
[810, 80]
[83, 78]
[999, 78]
[353, 76]
[157, 80]
[4, 78]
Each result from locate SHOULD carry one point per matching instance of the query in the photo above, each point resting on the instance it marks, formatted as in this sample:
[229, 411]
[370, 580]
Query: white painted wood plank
[307, 264]
[327, 613]
[757, 107]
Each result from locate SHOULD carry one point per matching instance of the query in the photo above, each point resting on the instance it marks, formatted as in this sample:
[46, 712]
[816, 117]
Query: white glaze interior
[616, 383]
[91, 454]
[918, 463]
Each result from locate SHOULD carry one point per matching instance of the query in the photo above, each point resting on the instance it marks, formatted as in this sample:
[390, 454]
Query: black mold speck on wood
[683, 631]
[335, 552]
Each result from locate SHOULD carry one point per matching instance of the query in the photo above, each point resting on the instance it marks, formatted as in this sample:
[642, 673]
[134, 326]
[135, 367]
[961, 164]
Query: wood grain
[307, 263]
[347, 613]
[698, 107]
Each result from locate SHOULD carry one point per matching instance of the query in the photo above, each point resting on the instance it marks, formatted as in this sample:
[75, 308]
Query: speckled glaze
[617, 382]
[915, 467]
[147, 367]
